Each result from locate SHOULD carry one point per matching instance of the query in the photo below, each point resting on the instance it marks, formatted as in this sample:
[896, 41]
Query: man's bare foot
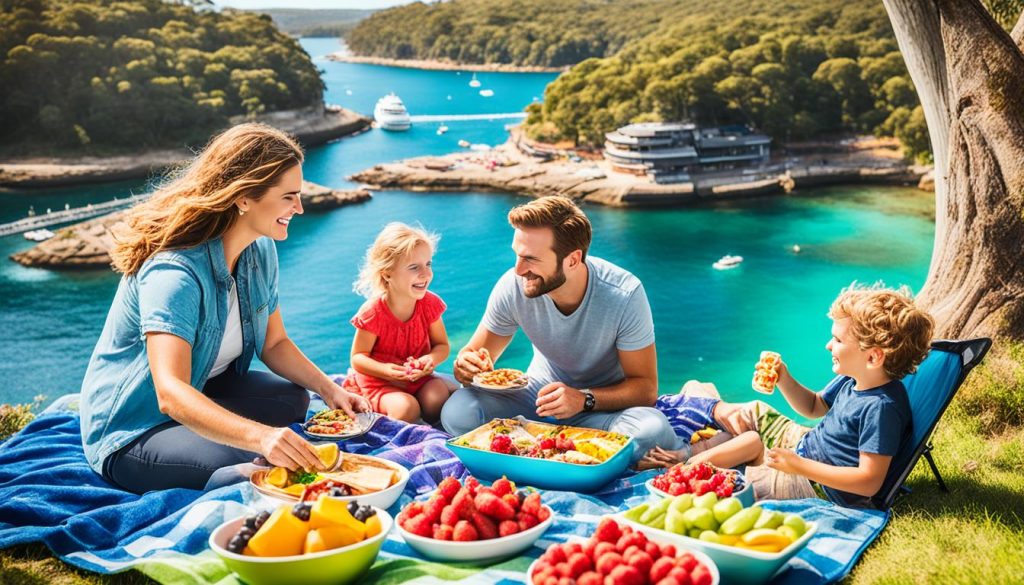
[657, 458]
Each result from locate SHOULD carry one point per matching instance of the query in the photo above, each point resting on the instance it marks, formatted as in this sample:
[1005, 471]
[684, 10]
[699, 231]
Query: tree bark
[1018, 32]
[969, 75]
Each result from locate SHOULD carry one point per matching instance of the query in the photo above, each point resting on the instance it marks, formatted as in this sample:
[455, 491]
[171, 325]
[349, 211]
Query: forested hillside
[132, 74]
[316, 23]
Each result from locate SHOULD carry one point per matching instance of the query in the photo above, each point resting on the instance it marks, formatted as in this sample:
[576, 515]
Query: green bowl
[330, 567]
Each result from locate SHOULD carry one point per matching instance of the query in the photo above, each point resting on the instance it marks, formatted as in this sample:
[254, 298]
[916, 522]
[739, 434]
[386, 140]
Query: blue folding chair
[930, 389]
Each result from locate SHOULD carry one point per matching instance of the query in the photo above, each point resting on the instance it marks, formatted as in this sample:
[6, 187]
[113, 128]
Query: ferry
[726, 262]
[390, 113]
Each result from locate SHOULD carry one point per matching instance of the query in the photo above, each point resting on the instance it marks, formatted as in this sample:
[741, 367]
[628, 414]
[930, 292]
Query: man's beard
[546, 285]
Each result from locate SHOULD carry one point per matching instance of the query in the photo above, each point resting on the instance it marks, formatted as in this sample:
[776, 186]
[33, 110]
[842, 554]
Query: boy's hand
[784, 460]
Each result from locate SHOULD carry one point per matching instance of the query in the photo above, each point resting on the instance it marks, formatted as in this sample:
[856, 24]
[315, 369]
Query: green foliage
[316, 23]
[993, 396]
[140, 73]
[13, 418]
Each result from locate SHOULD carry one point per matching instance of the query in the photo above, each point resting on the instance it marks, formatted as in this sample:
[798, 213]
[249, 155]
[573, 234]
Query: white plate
[479, 551]
[703, 558]
[364, 420]
[497, 390]
[382, 499]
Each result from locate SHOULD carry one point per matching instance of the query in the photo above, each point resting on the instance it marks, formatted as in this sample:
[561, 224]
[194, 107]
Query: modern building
[672, 152]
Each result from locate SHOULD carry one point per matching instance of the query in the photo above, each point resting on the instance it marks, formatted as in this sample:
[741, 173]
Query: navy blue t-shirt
[876, 420]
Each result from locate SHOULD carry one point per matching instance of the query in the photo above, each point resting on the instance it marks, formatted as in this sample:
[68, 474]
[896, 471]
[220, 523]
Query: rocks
[87, 245]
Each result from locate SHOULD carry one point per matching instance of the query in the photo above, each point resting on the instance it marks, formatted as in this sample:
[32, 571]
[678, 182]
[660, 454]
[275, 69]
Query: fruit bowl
[477, 551]
[336, 566]
[702, 558]
[745, 495]
[737, 565]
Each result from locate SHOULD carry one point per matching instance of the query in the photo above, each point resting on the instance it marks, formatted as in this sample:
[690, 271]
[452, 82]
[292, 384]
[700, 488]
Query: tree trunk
[1018, 32]
[969, 75]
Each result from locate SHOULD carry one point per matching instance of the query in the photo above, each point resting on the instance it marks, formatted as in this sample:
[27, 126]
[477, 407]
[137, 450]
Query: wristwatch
[589, 402]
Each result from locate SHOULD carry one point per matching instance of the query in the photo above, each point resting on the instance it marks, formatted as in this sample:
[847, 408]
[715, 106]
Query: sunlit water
[710, 324]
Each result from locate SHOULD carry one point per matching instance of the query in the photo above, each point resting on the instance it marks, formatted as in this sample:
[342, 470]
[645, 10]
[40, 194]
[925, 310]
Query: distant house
[672, 152]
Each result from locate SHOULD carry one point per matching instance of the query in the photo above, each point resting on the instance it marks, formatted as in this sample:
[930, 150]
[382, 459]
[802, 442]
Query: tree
[969, 75]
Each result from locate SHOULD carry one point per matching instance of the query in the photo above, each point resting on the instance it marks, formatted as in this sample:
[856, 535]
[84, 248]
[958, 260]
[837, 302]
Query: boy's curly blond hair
[889, 320]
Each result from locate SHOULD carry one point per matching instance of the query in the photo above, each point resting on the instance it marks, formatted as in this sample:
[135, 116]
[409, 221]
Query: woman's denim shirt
[184, 293]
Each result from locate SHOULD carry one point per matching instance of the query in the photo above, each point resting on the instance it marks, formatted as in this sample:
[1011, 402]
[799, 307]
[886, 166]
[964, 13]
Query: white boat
[474, 82]
[487, 92]
[390, 113]
[726, 262]
[480, 147]
[441, 129]
[40, 235]
[464, 143]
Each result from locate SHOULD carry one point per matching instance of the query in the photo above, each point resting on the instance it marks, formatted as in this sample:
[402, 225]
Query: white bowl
[382, 499]
[479, 551]
[701, 557]
[737, 565]
[745, 495]
[346, 564]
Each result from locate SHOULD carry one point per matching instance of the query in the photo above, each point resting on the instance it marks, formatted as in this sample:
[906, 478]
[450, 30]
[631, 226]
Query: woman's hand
[337, 397]
[283, 447]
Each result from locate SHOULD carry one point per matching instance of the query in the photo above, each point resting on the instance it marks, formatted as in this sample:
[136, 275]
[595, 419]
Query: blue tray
[542, 473]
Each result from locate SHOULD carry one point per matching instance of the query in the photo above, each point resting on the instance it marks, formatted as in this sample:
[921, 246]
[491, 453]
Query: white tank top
[231, 344]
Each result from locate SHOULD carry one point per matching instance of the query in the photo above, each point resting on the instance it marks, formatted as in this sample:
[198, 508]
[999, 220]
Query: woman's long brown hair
[197, 203]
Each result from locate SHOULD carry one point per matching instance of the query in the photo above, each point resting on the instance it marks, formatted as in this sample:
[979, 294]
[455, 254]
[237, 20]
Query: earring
[241, 211]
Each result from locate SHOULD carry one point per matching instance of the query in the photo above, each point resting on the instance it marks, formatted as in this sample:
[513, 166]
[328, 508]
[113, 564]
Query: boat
[726, 262]
[40, 235]
[441, 129]
[464, 143]
[474, 82]
[390, 113]
[487, 92]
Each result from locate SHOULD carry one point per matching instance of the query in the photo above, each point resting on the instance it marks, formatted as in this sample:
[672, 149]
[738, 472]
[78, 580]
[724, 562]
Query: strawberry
[472, 484]
[541, 576]
[668, 550]
[503, 486]
[572, 548]
[579, 563]
[641, 561]
[413, 509]
[435, 505]
[443, 532]
[681, 576]
[544, 513]
[511, 500]
[508, 527]
[686, 561]
[671, 581]
[661, 568]
[493, 506]
[608, 531]
[448, 487]
[630, 539]
[449, 516]
[503, 444]
[464, 531]
[485, 527]
[626, 575]
[463, 504]
[556, 554]
[547, 444]
[701, 575]
[420, 525]
[653, 550]
[590, 578]
[608, 561]
[531, 505]
[601, 548]
[527, 521]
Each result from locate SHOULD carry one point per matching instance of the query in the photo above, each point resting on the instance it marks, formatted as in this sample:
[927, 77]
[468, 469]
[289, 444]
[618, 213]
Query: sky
[261, 4]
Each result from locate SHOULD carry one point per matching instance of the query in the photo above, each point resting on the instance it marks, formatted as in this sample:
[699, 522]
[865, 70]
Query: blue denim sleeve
[636, 329]
[881, 428]
[169, 298]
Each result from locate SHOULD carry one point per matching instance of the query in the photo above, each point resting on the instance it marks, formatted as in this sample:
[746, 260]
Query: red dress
[396, 341]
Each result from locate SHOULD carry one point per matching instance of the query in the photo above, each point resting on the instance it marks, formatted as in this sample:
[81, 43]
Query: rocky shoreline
[87, 245]
[311, 126]
[346, 57]
[507, 169]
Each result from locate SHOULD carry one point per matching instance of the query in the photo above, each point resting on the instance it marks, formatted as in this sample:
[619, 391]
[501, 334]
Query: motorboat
[40, 235]
[474, 82]
[726, 262]
[390, 113]
[487, 92]
[441, 129]
[464, 143]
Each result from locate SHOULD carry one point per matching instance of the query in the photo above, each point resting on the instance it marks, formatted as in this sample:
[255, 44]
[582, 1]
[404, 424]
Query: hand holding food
[471, 362]
[416, 368]
[766, 372]
[338, 398]
[282, 447]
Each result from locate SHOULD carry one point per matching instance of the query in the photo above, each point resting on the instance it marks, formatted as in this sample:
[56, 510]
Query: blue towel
[49, 494]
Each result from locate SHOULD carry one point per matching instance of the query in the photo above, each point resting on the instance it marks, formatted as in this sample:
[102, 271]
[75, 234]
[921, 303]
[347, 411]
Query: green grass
[972, 534]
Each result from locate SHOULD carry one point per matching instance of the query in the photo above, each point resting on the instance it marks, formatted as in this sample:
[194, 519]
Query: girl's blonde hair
[197, 202]
[393, 243]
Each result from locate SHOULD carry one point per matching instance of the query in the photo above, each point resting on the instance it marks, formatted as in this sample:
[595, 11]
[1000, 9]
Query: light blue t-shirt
[581, 349]
[875, 420]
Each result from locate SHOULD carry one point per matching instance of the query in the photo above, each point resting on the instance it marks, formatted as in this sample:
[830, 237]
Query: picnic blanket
[49, 494]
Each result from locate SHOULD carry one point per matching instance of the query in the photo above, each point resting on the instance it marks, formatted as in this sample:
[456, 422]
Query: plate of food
[544, 455]
[336, 424]
[372, 480]
[501, 380]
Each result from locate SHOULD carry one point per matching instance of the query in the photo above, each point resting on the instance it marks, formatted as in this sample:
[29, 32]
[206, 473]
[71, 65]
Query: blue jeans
[469, 408]
[173, 456]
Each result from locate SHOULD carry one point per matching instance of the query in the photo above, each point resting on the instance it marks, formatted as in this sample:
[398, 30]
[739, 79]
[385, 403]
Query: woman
[197, 300]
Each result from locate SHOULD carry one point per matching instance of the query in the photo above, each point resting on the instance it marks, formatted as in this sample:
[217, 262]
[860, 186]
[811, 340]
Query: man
[594, 362]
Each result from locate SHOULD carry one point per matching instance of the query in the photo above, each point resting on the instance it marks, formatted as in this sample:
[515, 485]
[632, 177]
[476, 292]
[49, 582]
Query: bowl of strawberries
[699, 479]
[616, 553]
[471, 522]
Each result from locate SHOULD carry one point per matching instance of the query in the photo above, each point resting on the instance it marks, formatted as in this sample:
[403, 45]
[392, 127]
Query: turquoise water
[710, 325]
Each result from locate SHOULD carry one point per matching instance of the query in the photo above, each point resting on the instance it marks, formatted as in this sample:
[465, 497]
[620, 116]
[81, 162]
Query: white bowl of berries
[474, 523]
[699, 479]
[617, 553]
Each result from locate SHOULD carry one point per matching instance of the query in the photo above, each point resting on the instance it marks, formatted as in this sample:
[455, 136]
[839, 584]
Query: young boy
[878, 337]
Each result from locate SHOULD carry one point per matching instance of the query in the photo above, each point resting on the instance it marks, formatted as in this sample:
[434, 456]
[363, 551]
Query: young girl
[400, 337]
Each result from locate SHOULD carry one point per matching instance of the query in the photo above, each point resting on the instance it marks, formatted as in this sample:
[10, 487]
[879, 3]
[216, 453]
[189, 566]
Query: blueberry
[339, 491]
[260, 519]
[246, 532]
[352, 507]
[302, 511]
[364, 512]
[236, 544]
[250, 522]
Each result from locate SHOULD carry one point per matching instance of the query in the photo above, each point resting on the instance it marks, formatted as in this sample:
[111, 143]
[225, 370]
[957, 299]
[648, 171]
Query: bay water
[710, 324]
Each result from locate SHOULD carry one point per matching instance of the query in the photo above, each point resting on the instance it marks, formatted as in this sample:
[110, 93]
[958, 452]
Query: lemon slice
[277, 477]
[328, 454]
